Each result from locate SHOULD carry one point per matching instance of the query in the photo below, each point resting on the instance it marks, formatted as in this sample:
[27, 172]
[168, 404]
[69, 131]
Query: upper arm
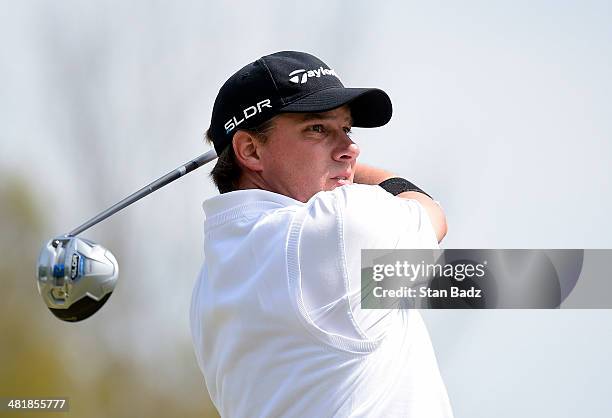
[339, 224]
[375, 219]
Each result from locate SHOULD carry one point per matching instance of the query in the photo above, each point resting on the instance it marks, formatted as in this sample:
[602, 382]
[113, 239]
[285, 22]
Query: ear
[247, 150]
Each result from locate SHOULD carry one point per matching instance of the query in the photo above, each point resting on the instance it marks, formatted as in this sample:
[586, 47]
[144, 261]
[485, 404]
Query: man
[276, 319]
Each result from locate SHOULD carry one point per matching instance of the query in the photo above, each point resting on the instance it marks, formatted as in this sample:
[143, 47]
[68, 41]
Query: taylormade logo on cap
[295, 75]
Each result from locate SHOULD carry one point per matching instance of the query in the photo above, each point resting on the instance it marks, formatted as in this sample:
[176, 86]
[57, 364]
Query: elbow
[442, 229]
[434, 211]
[439, 222]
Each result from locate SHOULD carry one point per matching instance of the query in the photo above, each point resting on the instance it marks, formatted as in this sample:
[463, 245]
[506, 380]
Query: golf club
[76, 276]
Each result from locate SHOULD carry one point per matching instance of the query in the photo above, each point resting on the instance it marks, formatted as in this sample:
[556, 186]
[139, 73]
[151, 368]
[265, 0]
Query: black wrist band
[397, 185]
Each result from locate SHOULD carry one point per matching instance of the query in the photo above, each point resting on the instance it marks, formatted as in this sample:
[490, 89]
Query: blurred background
[501, 112]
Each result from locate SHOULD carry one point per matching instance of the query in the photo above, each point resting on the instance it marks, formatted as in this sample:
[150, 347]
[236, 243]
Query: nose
[347, 150]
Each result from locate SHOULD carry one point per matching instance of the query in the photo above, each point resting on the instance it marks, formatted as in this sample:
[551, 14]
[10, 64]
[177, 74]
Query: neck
[251, 180]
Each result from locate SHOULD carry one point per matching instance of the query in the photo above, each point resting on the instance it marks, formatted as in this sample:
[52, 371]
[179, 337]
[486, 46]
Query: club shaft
[148, 189]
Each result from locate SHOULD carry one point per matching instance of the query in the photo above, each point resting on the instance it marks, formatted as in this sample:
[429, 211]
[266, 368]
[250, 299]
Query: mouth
[342, 179]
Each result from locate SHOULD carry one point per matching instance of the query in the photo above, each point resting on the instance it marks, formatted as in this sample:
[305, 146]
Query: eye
[318, 128]
[347, 130]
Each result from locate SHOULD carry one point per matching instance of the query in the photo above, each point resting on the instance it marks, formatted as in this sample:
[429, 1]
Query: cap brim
[370, 107]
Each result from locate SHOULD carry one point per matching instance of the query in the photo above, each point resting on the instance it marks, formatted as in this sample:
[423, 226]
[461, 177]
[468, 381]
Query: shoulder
[366, 215]
[359, 203]
[327, 212]
[353, 193]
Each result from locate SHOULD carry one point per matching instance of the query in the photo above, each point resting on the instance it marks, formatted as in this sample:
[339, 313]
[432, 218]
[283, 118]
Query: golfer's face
[309, 152]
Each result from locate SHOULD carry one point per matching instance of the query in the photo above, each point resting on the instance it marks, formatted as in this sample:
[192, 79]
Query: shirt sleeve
[337, 226]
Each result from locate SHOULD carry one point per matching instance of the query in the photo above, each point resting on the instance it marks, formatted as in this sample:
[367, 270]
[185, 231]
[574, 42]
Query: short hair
[226, 172]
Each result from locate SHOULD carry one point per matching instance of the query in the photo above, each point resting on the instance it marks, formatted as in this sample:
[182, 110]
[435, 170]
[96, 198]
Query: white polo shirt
[276, 322]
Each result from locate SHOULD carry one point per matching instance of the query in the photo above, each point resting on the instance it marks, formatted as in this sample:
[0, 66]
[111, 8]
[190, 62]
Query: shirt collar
[230, 200]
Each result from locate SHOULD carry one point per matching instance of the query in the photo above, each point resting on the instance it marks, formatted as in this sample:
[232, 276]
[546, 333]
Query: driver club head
[75, 277]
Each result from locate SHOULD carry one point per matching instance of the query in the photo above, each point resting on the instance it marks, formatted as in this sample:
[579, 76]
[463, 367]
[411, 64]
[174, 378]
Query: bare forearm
[366, 174]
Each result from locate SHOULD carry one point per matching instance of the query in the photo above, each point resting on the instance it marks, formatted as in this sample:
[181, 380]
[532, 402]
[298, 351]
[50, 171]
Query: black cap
[289, 81]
